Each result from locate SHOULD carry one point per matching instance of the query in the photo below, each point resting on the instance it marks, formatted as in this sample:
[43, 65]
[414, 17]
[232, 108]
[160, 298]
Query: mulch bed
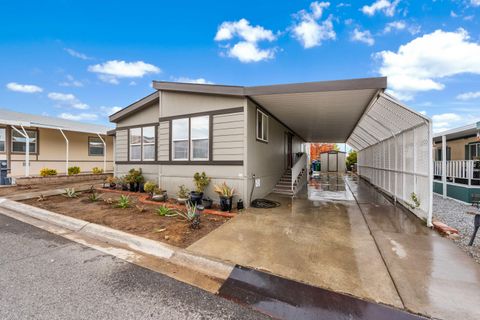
[146, 223]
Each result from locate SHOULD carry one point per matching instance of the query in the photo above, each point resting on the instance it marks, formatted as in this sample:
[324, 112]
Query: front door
[288, 150]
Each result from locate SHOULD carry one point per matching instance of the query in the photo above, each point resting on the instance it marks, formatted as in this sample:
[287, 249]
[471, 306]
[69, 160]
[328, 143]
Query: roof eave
[134, 107]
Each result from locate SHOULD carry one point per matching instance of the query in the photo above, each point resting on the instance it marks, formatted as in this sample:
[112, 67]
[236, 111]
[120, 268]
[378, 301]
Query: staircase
[284, 185]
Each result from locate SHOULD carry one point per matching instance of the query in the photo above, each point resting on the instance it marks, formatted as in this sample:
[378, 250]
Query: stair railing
[297, 169]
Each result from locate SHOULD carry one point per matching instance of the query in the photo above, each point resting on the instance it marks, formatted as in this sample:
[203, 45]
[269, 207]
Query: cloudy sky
[83, 60]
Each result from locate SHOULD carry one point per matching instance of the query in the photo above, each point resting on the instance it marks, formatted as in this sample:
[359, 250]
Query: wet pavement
[272, 295]
[345, 236]
[45, 276]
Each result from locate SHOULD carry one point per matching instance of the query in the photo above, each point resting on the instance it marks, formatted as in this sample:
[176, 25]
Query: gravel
[453, 214]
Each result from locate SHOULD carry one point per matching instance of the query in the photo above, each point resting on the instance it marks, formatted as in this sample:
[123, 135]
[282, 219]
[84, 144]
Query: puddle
[286, 299]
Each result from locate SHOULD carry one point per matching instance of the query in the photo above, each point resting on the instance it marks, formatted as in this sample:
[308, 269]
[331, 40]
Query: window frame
[172, 140]
[476, 146]
[259, 135]
[37, 135]
[141, 144]
[4, 140]
[191, 139]
[88, 145]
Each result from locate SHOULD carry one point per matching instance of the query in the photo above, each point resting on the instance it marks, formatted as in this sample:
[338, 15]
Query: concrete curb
[175, 255]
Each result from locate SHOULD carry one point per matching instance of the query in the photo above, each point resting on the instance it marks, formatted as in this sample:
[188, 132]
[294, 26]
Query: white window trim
[30, 142]
[148, 144]
[4, 140]
[141, 144]
[179, 140]
[264, 117]
[208, 140]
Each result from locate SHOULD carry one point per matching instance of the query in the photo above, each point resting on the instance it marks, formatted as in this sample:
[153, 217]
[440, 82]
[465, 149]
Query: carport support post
[27, 149]
[104, 153]
[66, 150]
[444, 165]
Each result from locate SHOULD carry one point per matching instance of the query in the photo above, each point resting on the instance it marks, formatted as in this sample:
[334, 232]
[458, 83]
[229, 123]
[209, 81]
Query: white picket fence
[456, 169]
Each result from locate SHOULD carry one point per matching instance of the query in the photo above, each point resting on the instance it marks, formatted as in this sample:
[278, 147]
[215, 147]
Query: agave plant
[70, 193]
[224, 190]
[190, 215]
[165, 211]
[124, 202]
[94, 197]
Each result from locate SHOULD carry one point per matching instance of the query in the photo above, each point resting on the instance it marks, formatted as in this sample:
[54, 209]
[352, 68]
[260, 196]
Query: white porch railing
[297, 169]
[458, 169]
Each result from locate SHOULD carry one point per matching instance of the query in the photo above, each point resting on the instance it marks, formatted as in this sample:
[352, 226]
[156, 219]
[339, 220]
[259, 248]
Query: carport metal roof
[325, 111]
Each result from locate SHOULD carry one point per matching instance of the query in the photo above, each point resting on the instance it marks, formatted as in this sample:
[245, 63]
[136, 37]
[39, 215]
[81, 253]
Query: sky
[83, 60]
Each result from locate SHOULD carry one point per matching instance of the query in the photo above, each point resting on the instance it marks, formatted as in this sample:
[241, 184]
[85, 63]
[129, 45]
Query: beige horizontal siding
[163, 141]
[228, 131]
[121, 145]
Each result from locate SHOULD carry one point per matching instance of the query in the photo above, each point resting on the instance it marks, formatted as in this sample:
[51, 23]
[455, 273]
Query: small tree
[351, 159]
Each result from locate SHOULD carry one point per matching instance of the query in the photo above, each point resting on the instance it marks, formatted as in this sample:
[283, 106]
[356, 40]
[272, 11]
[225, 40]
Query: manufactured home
[457, 154]
[52, 143]
[253, 138]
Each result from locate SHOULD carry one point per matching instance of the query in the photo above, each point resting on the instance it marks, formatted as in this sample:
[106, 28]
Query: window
[2, 139]
[438, 155]
[142, 144]
[18, 141]
[190, 139]
[199, 136]
[473, 151]
[262, 126]
[180, 139]
[95, 146]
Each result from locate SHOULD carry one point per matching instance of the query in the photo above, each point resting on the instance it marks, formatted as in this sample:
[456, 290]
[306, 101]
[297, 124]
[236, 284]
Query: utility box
[4, 180]
[333, 161]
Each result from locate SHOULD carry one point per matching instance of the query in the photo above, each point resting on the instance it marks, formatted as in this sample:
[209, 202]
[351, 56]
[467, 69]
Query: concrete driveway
[345, 236]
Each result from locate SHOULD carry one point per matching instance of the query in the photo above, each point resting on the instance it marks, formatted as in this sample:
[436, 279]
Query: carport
[394, 143]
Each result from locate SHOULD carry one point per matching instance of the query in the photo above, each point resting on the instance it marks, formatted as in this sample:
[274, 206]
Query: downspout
[104, 153]
[27, 149]
[66, 151]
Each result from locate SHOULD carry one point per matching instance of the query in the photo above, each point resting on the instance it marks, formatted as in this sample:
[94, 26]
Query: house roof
[32, 120]
[469, 130]
[324, 111]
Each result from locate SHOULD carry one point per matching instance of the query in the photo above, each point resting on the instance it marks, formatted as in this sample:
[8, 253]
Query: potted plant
[135, 179]
[159, 194]
[182, 194]
[111, 181]
[140, 181]
[207, 203]
[226, 196]
[123, 182]
[201, 181]
[149, 187]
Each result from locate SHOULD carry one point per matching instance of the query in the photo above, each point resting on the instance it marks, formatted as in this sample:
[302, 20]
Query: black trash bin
[4, 172]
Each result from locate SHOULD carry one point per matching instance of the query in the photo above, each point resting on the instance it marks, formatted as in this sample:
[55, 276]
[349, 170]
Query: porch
[461, 180]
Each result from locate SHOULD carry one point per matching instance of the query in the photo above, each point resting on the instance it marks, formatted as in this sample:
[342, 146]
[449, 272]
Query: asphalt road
[44, 276]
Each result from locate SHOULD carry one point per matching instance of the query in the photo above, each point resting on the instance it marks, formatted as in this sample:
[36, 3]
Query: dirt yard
[148, 224]
[8, 190]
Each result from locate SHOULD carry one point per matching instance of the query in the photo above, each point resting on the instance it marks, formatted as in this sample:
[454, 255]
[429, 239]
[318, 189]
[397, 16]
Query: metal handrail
[298, 168]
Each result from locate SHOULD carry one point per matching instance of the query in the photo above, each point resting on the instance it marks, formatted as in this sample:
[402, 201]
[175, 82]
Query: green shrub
[73, 170]
[96, 170]
[201, 181]
[45, 172]
[165, 211]
[149, 187]
[124, 202]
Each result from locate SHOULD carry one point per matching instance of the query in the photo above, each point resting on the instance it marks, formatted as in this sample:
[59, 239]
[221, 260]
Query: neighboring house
[53, 143]
[462, 162]
[253, 137]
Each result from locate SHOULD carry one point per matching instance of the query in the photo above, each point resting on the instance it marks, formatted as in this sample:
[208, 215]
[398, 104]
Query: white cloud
[246, 49]
[395, 25]
[446, 121]
[192, 80]
[469, 95]
[420, 64]
[385, 6]
[475, 3]
[112, 70]
[25, 88]
[107, 111]
[68, 99]
[78, 117]
[71, 82]
[242, 28]
[363, 36]
[250, 52]
[423, 112]
[308, 30]
[64, 97]
[77, 54]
